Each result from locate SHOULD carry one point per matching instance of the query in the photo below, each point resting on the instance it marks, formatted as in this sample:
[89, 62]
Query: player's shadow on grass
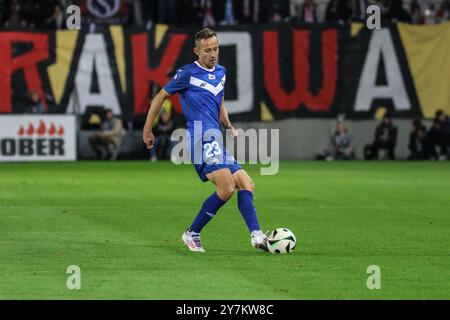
[180, 249]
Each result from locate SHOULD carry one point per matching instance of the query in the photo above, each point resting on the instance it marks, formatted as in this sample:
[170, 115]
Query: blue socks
[248, 210]
[214, 203]
[208, 210]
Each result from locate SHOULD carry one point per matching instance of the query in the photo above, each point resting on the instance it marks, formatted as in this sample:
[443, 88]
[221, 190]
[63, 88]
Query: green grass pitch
[121, 223]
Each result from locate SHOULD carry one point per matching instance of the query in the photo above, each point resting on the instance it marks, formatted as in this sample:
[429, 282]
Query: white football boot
[259, 240]
[192, 241]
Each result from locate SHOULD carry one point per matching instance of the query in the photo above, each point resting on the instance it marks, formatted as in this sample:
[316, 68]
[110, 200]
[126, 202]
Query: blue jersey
[201, 91]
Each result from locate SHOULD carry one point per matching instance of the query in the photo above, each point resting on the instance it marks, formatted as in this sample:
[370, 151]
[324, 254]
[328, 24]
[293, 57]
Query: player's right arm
[155, 107]
[178, 83]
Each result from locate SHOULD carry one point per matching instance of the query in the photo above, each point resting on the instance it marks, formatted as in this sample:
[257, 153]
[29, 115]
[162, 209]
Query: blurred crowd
[51, 14]
[432, 143]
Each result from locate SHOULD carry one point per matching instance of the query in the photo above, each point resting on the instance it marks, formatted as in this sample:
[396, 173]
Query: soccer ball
[281, 241]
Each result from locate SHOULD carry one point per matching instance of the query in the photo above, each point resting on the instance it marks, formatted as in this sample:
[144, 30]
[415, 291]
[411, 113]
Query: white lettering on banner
[381, 44]
[244, 70]
[37, 138]
[94, 55]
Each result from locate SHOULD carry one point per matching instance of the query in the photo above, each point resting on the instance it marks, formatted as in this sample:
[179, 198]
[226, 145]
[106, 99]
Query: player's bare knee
[226, 192]
[248, 184]
[251, 186]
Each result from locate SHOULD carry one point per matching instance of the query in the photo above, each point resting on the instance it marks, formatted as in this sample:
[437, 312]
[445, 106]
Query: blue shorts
[203, 170]
[214, 156]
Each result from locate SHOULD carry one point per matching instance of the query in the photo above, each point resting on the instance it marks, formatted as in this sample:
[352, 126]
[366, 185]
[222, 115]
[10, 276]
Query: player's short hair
[203, 34]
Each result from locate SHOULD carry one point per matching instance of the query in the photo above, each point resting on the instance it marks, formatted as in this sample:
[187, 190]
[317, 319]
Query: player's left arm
[225, 120]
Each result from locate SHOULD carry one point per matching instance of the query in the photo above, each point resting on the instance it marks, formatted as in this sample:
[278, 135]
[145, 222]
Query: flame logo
[30, 129]
[41, 129]
[52, 130]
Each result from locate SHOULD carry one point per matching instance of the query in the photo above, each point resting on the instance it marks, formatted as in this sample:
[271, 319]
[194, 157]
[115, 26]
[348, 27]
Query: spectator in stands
[294, 8]
[191, 13]
[443, 13]
[417, 141]
[432, 139]
[150, 13]
[443, 130]
[167, 11]
[417, 11]
[252, 12]
[3, 12]
[385, 139]
[106, 142]
[36, 106]
[308, 12]
[275, 15]
[338, 10]
[430, 14]
[231, 12]
[358, 9]
[397, 13]
[16, 16]
[208, 15]
[226, 12]
[51, 14]
[163, 144]
[341, 145]
[275, 11]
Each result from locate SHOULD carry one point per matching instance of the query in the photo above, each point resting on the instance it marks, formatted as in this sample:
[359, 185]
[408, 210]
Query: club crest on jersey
[211, 77]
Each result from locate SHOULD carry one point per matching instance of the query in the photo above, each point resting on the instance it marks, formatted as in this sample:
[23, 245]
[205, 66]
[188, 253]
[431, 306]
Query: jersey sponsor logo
[211, 76]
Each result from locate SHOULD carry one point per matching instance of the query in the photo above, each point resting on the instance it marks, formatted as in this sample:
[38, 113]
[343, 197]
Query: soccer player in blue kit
[201, 89]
